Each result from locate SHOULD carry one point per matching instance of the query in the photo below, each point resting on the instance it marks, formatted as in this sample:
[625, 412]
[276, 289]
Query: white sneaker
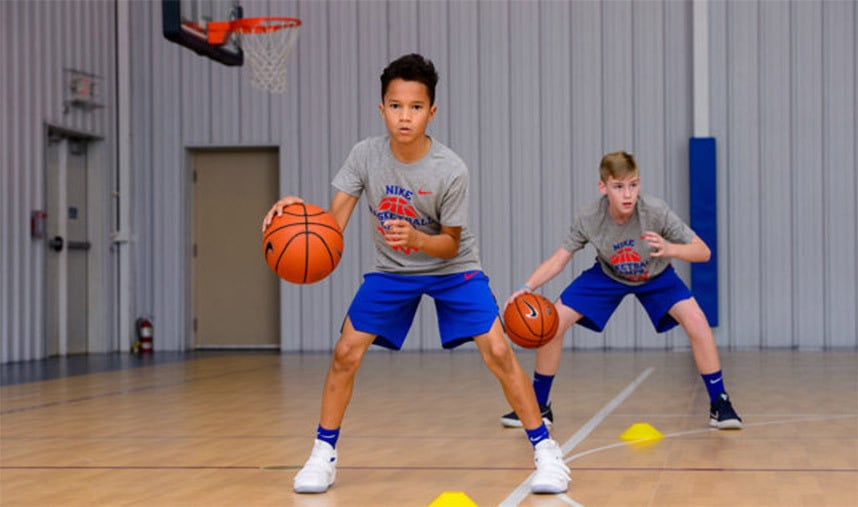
[319, 471]
[552, 474]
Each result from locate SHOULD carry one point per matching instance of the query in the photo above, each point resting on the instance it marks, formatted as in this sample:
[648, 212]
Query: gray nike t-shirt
[428, 193]
[624, 256]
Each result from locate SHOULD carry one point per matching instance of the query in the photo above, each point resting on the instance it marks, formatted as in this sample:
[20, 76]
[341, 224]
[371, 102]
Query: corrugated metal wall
[783, 79]
[532, 93]
[40, 40]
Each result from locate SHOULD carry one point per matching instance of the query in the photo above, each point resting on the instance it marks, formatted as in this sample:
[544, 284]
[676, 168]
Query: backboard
[186, 23]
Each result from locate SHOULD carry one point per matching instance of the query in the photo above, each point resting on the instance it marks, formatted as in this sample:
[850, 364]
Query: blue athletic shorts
[595, 295]
[385, 305]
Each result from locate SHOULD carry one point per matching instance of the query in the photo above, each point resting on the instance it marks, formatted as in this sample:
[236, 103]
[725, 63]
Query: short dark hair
[411, 67]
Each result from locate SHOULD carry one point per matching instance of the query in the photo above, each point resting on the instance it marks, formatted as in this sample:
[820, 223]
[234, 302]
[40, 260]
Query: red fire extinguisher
[145, 337]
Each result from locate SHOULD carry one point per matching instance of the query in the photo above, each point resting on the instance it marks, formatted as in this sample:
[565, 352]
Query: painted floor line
[523, 489]
[588, 452]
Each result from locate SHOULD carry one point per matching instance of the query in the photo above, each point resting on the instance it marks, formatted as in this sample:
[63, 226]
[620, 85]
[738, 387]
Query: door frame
[100, 308]
[188, 226]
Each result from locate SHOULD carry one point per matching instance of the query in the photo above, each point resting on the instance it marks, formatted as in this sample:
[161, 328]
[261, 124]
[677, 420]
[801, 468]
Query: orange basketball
[304, 244]
[531, 320]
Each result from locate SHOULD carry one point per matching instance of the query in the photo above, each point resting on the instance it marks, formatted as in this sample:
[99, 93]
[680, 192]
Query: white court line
[572, 458]
[566, 499]
[523, 489]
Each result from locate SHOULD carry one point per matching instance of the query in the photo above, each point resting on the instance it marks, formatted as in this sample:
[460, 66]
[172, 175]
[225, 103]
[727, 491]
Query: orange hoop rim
[219, 30]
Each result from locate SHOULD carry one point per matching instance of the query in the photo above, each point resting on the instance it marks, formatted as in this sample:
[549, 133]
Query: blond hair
[618, 164]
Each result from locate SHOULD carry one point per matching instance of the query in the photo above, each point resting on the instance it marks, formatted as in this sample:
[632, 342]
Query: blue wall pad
[704, 221]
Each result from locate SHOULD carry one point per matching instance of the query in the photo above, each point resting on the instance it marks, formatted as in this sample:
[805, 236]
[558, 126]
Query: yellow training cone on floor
[452, 499]
[641, 431]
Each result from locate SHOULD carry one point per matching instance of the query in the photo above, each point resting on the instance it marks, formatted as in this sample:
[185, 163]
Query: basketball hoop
[267, 43]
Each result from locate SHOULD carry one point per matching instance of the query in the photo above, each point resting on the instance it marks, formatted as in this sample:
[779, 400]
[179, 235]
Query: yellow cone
[453, 499]
[641, 431]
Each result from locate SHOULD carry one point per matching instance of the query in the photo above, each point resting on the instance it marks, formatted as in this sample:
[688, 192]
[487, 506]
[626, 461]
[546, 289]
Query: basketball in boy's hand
[304, 244]
[531, 320]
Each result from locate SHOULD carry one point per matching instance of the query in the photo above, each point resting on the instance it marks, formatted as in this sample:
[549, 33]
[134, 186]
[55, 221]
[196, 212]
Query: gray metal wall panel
[776, 273]
[165, 162]
[435, 42]
[618, 110]
[463, 125]
[555, 151]
[678, 94]
[142, 173]
[372, 57]
[557, 82]
[345, 65]
[648, 122]
[6, 236]
[15, 346]
[253, 121]
[404, 26]
[840, 141]
[431, 30]
[197, 108]
[285, 125]
[490, 180]
[806, 48]
[30, 126]
[41, 39]
[315, 160]
[27, 159]
[743, 187]
[789, 282]
[528, 172]
[717, 14]
[587, 135]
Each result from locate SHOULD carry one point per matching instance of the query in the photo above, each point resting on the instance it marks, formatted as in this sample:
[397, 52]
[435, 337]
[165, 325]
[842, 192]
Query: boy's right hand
[277, 209]
[520, 291]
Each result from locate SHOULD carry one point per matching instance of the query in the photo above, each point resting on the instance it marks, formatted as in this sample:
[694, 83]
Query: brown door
[236, 298]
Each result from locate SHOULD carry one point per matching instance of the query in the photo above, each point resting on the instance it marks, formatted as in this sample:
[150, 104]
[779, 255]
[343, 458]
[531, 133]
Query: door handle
[56, 243]
[78, 245]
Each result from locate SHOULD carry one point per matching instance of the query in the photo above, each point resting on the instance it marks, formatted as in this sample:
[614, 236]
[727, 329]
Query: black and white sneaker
[722, 415]
[510, 420]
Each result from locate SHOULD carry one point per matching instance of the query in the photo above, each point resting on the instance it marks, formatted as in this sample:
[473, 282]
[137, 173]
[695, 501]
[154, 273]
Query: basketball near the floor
[304, 244]
[531, 320]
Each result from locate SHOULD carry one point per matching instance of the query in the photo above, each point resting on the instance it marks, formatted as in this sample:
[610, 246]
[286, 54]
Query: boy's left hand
[659, 247]
[400, 233]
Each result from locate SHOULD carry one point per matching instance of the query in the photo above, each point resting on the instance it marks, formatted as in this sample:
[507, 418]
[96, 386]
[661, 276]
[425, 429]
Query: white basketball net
[267, 54]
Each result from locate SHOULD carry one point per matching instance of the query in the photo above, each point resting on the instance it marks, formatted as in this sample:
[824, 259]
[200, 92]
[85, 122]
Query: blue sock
[329, 436]
[538, 435]
[542, 387]
[714, 385]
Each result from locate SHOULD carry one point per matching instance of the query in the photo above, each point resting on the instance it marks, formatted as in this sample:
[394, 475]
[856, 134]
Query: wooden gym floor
[231, 429]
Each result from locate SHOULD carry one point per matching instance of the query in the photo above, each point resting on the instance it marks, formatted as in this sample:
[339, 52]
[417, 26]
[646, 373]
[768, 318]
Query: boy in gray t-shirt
[416, 191]
[635, 236]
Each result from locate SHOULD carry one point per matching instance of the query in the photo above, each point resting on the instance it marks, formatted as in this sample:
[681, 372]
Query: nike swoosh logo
[268, 247]
[423, 192]
[470, 275]
[532, 314]
[715, 381]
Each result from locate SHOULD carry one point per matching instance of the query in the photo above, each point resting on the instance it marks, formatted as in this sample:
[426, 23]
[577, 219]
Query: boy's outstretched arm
[341, 208]
[342, 205]
[696, 251]
[549, 268]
